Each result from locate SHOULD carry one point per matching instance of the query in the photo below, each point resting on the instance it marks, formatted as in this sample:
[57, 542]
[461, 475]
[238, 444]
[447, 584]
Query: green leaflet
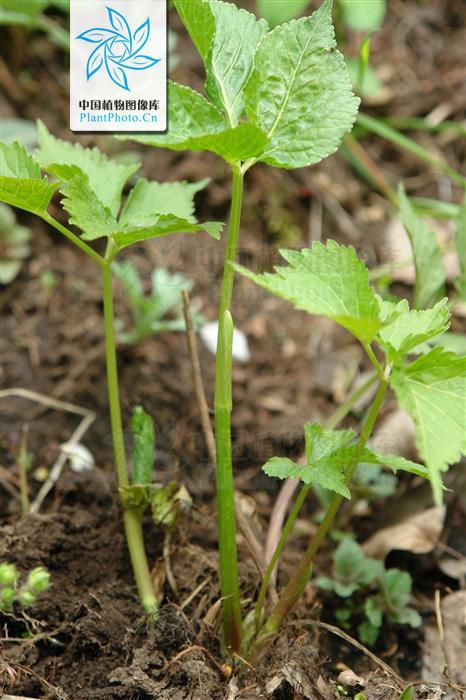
[231, 57]
[21, 184]
[149, 198]
[432, 389]
[430, 274]
[327, 280]
[106, 177]
[299, 91]
[460, 243]
[278, 11]
[142, 428]
[409, 328]
[162, 226]
[196, 125]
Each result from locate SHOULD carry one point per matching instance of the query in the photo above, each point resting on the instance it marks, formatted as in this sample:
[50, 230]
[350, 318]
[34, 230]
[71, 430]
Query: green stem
[295, 587]
[229, 585]
[131, 518]
[74, 239]
[330, 424]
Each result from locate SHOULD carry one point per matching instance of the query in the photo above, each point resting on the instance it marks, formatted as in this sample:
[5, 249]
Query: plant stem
[74, 239]
[229, 585]
[297, 583]
[330, 424]
[131, 518]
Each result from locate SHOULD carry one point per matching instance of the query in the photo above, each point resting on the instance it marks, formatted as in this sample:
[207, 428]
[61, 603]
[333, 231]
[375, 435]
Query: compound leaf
[299, 91]
[21, 184]
[327, 280]
[106, 177]
[430, 273]
[432, 389]
[409, 328]
[149, 198]
[231, 56]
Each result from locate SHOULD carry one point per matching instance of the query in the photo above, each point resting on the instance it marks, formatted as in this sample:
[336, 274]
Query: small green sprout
[37, 581]
[371, 591]
[155, 313]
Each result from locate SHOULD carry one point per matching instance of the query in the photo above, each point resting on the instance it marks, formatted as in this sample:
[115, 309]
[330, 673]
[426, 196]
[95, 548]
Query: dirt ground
[86, 639]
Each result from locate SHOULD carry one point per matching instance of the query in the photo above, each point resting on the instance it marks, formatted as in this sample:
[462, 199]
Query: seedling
[149, 312]
[92, 186]
[329, 280]
[353, 573]
[281, 97]
[25, 594]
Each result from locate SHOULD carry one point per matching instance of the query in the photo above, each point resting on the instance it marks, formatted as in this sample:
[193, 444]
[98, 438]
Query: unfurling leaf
[142, 428]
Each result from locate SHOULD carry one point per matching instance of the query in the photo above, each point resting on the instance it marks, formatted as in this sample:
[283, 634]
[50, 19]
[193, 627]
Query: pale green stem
[131, 518]
[229, 584]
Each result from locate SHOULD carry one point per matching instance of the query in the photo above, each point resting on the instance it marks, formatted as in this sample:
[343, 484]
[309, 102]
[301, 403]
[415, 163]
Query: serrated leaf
[162, 225]
[21, 184]
[409, 328]
[199, 21]
[85, 209]
[432, 389]
[106, 178]
[149, 198]
[430, 273]
[196, 125]
[278, 11]
[460, 243]
[231, 56]
[299, 91]
[327, 280]
[394, 462]
[142, 428]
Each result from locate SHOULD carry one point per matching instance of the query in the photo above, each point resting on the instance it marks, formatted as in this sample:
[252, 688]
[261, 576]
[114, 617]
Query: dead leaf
[350, 679]
[418, 534]
[295, 677]
[446, 660]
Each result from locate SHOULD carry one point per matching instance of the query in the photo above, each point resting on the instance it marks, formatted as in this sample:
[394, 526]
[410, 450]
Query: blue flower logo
[118, 49]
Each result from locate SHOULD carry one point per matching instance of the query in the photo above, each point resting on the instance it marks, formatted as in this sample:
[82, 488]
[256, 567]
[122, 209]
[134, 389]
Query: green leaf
[409, 328]
[432, 389]
[199, 21]
[21, 184]
[149, 198]
[397, 587]
[363, 15]
[451, 342]
[460, 243]
[106, 178]
[278, 11]
[196, 125]
[86, 211]
[395, 463]
[373, 611]
[351, 566]
[142, 428]
[231, 57]
[162, 225]
[430, 273]
[407, 694]
[327, 280]
[368, 634]
[299, 91]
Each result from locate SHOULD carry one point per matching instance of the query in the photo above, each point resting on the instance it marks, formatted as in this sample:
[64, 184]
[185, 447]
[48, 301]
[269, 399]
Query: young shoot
[91, 186]
[281, 97]
[25, 594]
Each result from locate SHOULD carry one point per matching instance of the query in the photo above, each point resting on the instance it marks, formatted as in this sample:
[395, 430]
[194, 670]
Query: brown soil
[86, 638]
